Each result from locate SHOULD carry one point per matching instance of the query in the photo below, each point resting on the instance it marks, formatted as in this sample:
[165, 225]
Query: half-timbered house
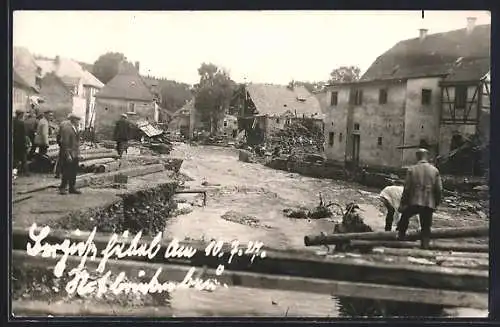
[424, 91]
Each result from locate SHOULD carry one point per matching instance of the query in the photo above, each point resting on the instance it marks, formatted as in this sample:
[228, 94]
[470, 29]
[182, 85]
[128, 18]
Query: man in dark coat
[20, 143]
[31, 124]
[122, 134]
[421, 195]
[70, 150]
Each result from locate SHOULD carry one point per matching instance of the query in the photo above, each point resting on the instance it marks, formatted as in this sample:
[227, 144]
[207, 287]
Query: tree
[107, 65]
[213, 94]
[345, 74]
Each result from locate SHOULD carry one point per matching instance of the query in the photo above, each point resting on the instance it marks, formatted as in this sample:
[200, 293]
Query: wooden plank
[430, 254]
[176, 273]
[481, 231]
[456, 247]
[42, 309]
[302, 264]
[44, 186]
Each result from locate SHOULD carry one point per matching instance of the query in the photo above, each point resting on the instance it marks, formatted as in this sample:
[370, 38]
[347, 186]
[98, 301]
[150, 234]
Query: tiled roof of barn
[127, 85]
[17, 79]
[278, 99]
[435, 55]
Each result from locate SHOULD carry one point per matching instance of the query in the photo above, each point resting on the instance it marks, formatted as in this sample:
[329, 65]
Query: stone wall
[108, 111]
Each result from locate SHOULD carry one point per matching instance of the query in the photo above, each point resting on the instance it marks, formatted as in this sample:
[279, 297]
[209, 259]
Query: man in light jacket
[42, 133]
[70, 151]
[421, 195]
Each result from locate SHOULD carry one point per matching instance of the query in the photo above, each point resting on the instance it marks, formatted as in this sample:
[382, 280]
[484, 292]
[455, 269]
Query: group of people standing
[30, 133]
[420, 195]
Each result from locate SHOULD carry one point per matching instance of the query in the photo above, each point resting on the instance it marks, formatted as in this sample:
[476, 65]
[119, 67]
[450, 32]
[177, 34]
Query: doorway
[355, 149]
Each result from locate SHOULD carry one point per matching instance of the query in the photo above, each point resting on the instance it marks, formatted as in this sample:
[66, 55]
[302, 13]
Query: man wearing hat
[69, 152]
[42, 133]
[121, 134]
[421, 195]
[19, 142]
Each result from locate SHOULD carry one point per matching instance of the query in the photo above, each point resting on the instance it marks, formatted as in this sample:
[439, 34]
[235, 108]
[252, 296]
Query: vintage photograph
[250, 164]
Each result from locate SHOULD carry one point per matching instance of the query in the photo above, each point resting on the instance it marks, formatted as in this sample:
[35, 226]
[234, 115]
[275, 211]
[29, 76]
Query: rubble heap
[297, 138]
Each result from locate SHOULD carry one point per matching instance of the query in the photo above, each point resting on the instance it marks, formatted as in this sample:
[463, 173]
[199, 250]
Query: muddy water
[263, 193]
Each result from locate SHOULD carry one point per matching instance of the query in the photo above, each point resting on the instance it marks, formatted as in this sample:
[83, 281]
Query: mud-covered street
[260, 194]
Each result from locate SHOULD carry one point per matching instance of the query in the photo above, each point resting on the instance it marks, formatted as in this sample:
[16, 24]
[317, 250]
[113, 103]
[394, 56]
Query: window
[331, 135]
[334, 99]
[382, 96]
[356, 127]
[460, 97]
[426, 96]
[225, 123]
[131, 107]
[356, 97]
[340, 137]
[277, 120]
[379, 141]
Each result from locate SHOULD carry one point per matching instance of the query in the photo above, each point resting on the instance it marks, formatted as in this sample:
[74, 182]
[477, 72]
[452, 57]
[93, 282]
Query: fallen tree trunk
[312, 240]
[457, 247]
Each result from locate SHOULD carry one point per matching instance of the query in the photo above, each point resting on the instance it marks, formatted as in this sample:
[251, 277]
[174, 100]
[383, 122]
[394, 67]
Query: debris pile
[321, 211]
[243, 219]
[296, 138]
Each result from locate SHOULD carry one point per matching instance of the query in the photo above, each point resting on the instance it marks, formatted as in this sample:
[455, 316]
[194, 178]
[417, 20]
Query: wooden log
[312, 240]
[93, 156]
[53, 154]
[456, 247]
[176, 273]
[22, 198]
[95, 162]
[301, 264]
[108, 167]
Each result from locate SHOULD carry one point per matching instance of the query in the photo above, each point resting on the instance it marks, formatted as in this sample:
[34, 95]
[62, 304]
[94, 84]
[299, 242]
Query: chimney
[471, 23]
[423, 33]
[137, 66]
[57, 61]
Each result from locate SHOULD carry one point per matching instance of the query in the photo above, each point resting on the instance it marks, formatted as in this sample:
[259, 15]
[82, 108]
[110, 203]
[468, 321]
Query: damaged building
[430, 91]
[67, 87]
[128, 92]
[264, 109]
[26, 79]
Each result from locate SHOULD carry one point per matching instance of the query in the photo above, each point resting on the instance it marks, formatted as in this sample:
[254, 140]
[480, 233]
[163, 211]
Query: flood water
[263, 193]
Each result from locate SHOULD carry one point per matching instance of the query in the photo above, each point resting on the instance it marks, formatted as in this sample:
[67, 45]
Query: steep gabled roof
[127, 85]
[435, 55]
[70, 72]
[25, 66]
[19, 80]
[272, 99]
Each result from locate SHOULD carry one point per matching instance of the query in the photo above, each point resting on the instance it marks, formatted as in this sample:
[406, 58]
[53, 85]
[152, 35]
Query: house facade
[403, 100]
[127, 92]
[268, 108]
[81, 85]
[26, 79]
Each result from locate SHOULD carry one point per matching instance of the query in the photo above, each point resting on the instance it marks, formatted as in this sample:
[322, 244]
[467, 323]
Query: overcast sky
[261, 46]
